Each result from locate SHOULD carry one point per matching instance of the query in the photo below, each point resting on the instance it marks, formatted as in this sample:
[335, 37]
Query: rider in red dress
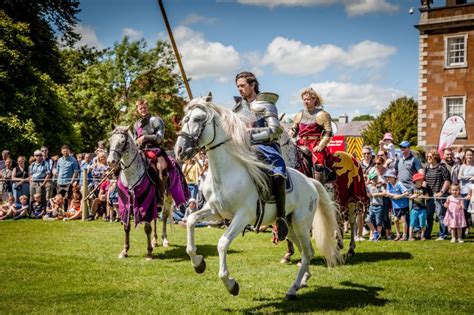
[312, 128]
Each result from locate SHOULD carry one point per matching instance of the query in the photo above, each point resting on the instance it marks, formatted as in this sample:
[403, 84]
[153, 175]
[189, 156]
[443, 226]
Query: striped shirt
[435, 178]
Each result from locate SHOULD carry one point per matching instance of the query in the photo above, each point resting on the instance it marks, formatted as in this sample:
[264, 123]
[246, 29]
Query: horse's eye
[198, 119]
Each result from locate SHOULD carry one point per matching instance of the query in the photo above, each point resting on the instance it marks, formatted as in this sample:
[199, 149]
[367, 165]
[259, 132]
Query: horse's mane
[235, 128]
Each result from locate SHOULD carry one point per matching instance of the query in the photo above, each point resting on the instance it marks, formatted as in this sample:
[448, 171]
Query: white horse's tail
[325, 225]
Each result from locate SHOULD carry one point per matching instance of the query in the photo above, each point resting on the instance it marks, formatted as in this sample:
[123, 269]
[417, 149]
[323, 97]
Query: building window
[456, 51]
[455, 105]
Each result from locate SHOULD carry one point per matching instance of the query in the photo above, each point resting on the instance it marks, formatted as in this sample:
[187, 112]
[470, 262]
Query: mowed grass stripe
[72, 267]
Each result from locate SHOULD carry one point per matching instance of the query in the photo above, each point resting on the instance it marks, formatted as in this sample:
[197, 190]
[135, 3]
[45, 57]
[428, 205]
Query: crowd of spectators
[414, 197]
[403, 192]
[49, 187]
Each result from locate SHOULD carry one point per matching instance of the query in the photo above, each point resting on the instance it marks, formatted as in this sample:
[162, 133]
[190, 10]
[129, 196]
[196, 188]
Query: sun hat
[404, 144]
[390, 173]
[372, 176]
[191, 200]
[418, 176]
[387, 136]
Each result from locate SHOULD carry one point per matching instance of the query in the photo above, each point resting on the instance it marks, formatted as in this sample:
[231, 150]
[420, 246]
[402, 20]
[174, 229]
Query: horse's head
[197, 129]
[119, 142]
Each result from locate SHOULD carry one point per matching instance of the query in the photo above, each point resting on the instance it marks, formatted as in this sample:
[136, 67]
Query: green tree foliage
[364, 117]
[400, 118]
[28, 94]
[103, 82]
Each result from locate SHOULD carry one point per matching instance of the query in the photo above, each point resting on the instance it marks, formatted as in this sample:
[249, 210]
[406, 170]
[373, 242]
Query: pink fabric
[454, 217]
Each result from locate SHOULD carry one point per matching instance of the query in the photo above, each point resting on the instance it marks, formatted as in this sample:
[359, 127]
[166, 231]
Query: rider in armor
[265, 132]
[149, 133]
[312, 127]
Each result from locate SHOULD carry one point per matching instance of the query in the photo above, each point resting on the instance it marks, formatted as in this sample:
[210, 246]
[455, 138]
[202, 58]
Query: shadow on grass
[178, 252]
[367, 257]
[324, 299]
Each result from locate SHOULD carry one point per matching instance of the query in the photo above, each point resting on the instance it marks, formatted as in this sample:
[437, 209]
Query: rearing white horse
[232, 191]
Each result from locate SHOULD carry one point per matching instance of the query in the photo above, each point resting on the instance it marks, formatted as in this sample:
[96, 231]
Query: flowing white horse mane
[235, 128]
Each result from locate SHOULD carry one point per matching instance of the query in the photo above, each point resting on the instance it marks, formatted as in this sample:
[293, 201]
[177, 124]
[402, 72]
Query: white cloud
[352, 7]
[352, 98]
[88, 37]
[195, 18]
[295, 58]
[203, 58]
[133, 34]
[361, 7]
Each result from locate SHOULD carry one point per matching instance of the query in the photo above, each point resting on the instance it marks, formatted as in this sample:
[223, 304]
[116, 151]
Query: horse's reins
[195, 139]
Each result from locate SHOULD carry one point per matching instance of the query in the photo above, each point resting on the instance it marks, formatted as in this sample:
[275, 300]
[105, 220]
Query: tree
[400, 118]
[364, 117]
[102, 82]
[29, 98]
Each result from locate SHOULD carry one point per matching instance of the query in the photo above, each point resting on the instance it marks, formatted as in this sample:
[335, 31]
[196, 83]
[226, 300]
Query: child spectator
[454, 218]
[375, 192]
[192, 207]
[74, 211]
[419, 205]
[398, 193]
[37, 207]
[112, 200]
[7, 209]
[55, 208]
[22, 210]
[470, 197]
[386, 144]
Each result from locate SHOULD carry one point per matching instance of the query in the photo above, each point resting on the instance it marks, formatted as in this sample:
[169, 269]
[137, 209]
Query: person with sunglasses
[407, 165]
[50, 185]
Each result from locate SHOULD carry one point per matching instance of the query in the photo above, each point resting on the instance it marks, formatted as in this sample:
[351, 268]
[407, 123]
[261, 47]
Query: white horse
[232, 192]
[124, 151]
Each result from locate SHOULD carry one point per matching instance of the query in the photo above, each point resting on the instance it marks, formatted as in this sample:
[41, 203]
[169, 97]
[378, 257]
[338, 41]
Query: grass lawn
[72, 267]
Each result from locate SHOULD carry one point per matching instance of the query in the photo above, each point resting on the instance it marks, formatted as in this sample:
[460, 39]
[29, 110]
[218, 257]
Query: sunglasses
[378, 163]
[366, 153]
[403, 147]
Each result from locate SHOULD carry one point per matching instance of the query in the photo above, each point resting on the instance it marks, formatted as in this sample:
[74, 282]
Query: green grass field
[72, 267]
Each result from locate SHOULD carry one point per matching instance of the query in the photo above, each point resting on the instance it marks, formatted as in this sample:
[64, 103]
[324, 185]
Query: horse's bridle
[195, 139]
[120, 153]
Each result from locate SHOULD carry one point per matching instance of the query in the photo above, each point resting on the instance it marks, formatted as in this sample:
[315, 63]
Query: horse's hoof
[201, 268]
[122, 255]
[166, 244]
[154, 243]
[235, 289]
[290, 297]
[351, 253]
[149, 257]
[284, 261]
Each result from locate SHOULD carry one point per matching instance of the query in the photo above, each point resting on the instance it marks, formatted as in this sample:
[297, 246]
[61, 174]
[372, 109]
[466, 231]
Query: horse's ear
[113, 126]
[209, 97]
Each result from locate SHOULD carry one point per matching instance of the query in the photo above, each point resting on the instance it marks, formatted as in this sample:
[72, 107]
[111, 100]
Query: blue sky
[359, 54]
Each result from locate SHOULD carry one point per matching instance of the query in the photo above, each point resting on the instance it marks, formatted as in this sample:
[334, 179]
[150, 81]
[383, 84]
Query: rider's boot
[279, 191]
[319, 173]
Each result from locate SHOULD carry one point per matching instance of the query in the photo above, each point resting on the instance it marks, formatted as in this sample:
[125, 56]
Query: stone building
[446, 73]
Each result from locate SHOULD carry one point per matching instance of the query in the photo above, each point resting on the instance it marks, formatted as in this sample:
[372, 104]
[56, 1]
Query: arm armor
[264, 106]
[158, 127]
[324, 119]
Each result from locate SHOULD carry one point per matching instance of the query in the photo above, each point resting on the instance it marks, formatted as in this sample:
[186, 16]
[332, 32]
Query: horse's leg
[239, 222]
[164, 235]
[126, 245]
[352, 222]
[294, 240]
[147, 229]
[197, 261]
[290, 250]
[301, 232]
[154, 241]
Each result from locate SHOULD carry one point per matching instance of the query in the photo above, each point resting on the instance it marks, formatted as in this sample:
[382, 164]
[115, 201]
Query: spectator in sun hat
[386, 144]
[375, 217]
[407, 165]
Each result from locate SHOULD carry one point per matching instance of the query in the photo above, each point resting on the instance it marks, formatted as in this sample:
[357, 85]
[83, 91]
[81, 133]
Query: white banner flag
[451, 128]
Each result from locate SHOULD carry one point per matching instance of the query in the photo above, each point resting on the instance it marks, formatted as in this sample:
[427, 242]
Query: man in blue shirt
[40, 173]
[407, 165]
[67, 169]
